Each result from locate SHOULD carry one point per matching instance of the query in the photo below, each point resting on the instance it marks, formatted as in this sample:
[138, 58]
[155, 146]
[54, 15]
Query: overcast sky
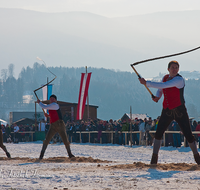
[108, 8]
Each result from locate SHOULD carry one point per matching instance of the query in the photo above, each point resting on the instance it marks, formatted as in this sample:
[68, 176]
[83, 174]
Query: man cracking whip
[2, 145]
[57, 125]
[172, 86]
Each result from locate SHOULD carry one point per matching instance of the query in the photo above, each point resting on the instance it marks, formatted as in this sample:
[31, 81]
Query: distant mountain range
[77, 39]
[67, 42]
[186, 75]
[112, 91]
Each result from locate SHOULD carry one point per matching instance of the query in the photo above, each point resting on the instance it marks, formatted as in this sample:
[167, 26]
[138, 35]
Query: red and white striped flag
[84, 86]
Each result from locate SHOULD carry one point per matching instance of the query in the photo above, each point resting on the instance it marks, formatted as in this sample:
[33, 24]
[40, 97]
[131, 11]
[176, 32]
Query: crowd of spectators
[144, 127]
[103, 129]
[18, 133]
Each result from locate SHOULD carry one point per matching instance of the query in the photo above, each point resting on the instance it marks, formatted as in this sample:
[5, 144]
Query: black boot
[42, 151]
[154, 158]
[197, 158]
[69, 152]
[5, 150]
[8, 154]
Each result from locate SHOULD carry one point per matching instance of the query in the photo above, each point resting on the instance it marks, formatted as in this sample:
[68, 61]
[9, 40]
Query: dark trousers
[179, 114]
[1, 140]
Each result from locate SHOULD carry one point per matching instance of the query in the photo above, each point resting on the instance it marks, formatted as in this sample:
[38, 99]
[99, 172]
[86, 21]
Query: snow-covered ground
[117, 168]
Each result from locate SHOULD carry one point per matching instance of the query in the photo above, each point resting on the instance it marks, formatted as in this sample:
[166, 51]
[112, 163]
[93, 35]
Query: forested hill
[113, 91]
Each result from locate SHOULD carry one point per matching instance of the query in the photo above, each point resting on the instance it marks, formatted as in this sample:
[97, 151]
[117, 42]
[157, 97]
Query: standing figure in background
[100, 128]
[16, 133]
[142, 131]
[148, 136]
[135, 136]
[198, 129]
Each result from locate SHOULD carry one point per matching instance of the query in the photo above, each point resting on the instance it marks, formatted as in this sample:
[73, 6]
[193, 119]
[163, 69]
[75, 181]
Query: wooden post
[32, 137]
[131, 126]
[35, 114]
[146, 138]
[140, 137]
[125, 139]
[88, 114]
[80, 137]
[112, 137]
[89, 137]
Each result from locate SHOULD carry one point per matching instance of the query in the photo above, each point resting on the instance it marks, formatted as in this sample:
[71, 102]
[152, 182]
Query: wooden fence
[112, 135]
[128, 133]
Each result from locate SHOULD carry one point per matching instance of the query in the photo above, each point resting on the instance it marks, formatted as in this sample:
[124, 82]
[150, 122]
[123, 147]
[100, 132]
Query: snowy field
[107, 167]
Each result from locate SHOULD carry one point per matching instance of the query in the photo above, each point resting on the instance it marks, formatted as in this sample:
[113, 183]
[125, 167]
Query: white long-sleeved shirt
[52, 106]
[177, 81]
[16, 129]
[142, 127]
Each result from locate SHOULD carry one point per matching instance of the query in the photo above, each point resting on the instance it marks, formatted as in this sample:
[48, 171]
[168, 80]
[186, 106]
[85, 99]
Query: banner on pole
[47, 92]
[83, 93]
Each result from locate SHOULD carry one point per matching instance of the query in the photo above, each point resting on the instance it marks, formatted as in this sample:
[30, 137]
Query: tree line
[112, 91]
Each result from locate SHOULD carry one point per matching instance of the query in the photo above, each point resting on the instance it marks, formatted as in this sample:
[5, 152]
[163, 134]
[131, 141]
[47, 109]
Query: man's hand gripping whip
[144, 85]
[166, 56]
[45, 84]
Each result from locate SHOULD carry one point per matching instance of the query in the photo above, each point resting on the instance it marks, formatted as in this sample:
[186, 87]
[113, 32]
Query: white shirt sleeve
[159, 93]
[52, 106]
[175, 82]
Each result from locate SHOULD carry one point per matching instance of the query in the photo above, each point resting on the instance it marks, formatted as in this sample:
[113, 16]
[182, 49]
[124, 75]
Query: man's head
[173, 68]
[173, 62]
[53, 98]
[137, 121]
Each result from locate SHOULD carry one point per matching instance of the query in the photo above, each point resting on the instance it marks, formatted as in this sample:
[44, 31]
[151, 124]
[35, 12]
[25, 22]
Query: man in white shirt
[172, 87]
[41, 126]
[57, 125]
[142, 130]
[16, 134]
[16, 128]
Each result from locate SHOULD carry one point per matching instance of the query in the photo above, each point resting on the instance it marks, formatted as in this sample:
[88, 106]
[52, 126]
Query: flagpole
[88, 115]
[131, 126]
[47, 88]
